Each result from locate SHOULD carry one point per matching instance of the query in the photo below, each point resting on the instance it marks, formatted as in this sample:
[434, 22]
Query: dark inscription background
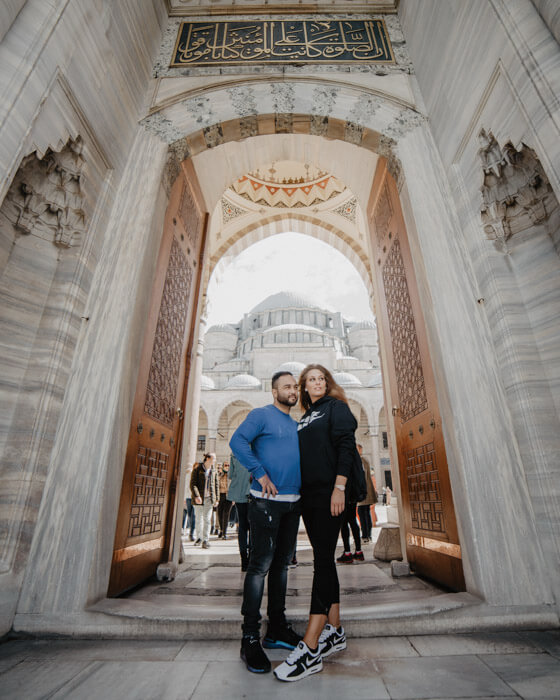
[283, 41]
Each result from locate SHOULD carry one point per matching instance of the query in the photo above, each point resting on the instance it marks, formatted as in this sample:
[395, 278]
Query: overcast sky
[287, 262]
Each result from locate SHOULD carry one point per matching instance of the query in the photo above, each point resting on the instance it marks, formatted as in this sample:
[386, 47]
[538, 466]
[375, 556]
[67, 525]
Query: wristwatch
[340, 486]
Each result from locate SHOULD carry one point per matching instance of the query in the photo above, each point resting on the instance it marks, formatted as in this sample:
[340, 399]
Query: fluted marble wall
[496, 65]
[66, 70]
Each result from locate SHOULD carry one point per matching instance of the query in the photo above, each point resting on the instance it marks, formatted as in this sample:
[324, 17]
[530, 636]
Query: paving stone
[530, 675]
[441, 677]
[100, 650]
[479, 643]
[232, 680]
[379, 648]
[31, 680]
[547, 640]
[132, 680]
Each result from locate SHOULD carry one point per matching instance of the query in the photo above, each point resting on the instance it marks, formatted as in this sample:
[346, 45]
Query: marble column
[70, 556]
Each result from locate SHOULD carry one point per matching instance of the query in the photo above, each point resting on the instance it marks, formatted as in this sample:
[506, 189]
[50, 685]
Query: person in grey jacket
[239, 486]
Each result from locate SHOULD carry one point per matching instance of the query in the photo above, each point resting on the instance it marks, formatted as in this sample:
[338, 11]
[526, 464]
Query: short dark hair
[276, 376]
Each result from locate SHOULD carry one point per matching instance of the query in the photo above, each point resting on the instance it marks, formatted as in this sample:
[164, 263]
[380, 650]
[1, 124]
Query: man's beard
[286, 401]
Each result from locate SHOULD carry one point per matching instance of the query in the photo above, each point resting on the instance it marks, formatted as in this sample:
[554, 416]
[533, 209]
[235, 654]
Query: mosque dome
[362, 326]
[296, 368]
[243, 381]
[284, 300]
[346, 379]
[222, 328]
[375, 380]
[206, 383]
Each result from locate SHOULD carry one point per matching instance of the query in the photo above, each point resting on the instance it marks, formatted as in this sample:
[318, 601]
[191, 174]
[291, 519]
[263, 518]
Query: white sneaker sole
[305, 674]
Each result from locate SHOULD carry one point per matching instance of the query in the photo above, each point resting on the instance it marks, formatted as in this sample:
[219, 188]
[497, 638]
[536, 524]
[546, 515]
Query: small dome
[346, 379]
[362, 326]
[296, 368]
[284, 300]
[243, 381]
[206, 383]
[375, 380]
[349, 357]
[222, 328]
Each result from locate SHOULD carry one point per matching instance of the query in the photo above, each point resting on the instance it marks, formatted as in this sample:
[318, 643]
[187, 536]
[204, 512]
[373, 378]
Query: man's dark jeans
[274, 527]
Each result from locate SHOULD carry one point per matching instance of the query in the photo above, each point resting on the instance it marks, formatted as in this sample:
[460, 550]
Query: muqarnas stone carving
[46, 198]
[516, 194]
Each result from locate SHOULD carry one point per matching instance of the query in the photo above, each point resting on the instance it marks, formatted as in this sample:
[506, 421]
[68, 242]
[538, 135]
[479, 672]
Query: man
[204, 494]
[266, 443]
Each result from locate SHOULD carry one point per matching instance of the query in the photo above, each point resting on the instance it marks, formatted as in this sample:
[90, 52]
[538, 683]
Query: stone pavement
[482, 664]
[489, 665]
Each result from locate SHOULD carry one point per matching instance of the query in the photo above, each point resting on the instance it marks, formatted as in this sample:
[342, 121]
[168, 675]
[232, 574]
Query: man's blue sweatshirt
[267, 443]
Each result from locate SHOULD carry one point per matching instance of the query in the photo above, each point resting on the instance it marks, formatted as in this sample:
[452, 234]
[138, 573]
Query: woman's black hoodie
[327, 447]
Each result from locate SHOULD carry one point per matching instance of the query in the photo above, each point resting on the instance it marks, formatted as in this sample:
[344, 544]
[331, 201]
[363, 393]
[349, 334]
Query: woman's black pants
[349, 518]
[224, 507]
[323, 530]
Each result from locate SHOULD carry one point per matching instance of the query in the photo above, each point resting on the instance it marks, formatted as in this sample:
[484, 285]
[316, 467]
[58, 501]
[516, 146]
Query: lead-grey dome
[346, 379]
[296, 368]
[243, 381]
[284, 300]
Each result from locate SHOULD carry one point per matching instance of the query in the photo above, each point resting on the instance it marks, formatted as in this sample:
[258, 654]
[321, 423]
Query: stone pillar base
[388, 545]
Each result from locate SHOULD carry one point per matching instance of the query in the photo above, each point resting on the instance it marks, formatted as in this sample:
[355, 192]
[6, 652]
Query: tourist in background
[204, 496]
[367, 518]
[239, 486]
[224, 504]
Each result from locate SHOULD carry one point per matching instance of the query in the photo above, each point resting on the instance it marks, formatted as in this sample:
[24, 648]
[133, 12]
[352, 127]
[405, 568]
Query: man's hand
[338, 502]
[198, 501]
[268, 487]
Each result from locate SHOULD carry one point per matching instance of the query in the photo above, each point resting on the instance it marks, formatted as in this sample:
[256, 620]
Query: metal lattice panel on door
[148, 499]
[406, 353]
[166, 355]
[426, 507]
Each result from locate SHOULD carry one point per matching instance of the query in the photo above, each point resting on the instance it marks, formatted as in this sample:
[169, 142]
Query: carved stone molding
[46, 198]
[516, 194]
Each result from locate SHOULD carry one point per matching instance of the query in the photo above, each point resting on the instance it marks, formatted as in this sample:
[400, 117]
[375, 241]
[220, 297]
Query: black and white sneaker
[331, 640]
[300, 663]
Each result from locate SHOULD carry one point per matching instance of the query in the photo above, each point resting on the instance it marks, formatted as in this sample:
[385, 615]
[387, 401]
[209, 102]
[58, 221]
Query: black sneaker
[300, 663]
[345, 558]
[197, 542]
[282, 637]
[358, 556]
[331, 640]
[253, 655]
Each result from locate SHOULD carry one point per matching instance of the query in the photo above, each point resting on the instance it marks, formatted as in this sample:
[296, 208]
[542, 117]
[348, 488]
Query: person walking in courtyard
[266, 443]
[366, 508]
[238, 492]
[327, 450]
[204, 496]
[224, 504]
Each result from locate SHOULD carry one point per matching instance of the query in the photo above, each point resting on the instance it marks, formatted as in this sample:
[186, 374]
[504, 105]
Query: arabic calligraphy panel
[282, 41]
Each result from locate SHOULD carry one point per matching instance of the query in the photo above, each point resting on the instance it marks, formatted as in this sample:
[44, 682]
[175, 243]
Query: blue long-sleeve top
[267, 443]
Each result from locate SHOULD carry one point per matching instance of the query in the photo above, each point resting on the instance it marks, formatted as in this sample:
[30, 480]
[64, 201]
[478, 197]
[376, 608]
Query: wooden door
[432, 542]
[147, 503]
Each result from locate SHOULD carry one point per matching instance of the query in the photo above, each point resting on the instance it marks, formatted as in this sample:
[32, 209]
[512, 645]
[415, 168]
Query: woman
[327, 450]
[204, 496]
[224, 505]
